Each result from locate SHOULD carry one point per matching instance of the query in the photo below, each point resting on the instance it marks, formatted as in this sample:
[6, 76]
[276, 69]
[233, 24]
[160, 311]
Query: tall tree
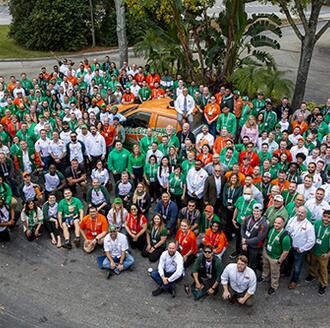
[121, 31]
[308, 35]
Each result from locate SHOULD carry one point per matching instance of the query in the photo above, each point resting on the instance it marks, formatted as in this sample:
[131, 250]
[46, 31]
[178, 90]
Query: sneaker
[322, 290]
[187, 289]
[292, 285]
[67, 244]
[260, 279]
[271, 290]
[172, 291]
[157, 291]
[109, 274]
[309, 278]
[233, 255]
[77, 241]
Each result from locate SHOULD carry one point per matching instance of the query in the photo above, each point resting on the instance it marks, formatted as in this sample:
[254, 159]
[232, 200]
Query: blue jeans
[128, 262]
[298, 259]
[190, 118]
[158, 280]
[46, 160]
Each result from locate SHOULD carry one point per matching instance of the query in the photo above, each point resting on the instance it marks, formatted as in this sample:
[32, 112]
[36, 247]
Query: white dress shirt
[240, 282]
[302, 234]
[171, 264]
[195, 182]
[180, 104]
[95, 145]
[317, 209]
[43, 147]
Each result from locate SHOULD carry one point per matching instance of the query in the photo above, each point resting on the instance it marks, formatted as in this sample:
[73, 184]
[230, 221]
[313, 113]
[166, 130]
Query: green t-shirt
[176, 184]
[274, 246]
[322, 242]
[70, 209]
[156, 234]
[151, 171]
[244, 208]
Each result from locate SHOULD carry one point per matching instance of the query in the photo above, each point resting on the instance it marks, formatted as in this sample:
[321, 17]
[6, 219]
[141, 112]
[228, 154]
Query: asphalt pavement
[42, 286]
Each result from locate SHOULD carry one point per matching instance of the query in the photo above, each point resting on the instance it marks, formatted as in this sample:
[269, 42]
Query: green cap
[117, 200]
[103, 105]
[245, 98]
[114, 108]
[84, 126]
[236, 92]
[112, 227]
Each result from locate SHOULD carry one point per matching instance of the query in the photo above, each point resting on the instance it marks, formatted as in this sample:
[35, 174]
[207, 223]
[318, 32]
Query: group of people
[255, 173]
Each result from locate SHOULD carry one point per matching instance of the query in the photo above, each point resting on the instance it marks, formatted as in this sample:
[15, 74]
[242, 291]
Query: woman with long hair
[142, 198]
[150, 177]
[136, 162]
[173, 157]
[118, 214]
[250, 129]
[101, 173]
[136, 227]
[177, 186]
[186, 243]
[231, 191]
[32, 219]
[205, 156]
[164, 171]
[156, 239]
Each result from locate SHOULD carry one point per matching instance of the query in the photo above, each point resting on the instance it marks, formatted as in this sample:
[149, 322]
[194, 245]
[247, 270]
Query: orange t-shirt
[219, 143]
[303, 126]
[109, 134]
[94, 227]
[128, 97]
[217, 240]
[205, 159]
[157, 93]
[151, 79]
[186, 242]
[284, 186]
[211, 112]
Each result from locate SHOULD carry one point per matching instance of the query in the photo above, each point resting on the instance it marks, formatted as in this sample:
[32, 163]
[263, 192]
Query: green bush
[51, 24]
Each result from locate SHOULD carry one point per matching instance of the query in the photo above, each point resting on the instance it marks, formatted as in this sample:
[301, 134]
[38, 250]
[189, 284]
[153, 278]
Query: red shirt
[128, 98]
[151, 79]
[109, 134]
[135, 224]
[139, 78]
[186, 242]
[254, 158]
[157, 93]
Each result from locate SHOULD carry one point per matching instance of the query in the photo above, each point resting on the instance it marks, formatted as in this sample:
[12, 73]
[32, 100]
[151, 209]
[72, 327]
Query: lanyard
[231, 195]
[293, 197]
[271, 243]
[214, 238]
[182, 240]
[176, 181]
[95, 225]
[319, 232]
[244, 211]
[249, 229]
[165, 210]
[225, 122]
[154, 233]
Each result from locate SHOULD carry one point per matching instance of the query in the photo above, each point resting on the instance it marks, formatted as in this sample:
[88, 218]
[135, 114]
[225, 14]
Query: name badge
[269, 248]
[94, 234]
[248, 234]
[230, 201]
[172, 190]
[164, 217]
[318, 241]
[152, 179]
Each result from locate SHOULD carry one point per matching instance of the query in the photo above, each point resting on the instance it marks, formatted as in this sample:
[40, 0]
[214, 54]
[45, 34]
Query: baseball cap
[245, 98]
[117, 200]
[25, 174]
[279, 198]
[112, 227]
[267, 174]
[208, 208]
[84, 126]
[258, 207]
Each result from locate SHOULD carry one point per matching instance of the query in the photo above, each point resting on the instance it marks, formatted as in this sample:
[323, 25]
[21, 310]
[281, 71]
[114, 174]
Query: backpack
[285, 233]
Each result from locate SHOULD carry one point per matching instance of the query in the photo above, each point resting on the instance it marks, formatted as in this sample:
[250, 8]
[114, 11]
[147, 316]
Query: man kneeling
[239, 282]
[170, 269]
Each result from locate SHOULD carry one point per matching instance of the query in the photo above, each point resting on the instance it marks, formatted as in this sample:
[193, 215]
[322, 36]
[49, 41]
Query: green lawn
[10, 49]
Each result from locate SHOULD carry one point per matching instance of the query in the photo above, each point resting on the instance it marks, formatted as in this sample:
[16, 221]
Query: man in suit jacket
[213, 188]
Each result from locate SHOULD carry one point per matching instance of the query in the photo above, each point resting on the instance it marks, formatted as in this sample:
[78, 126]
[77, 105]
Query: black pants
[139, 244]
[154, 190]
[116, 177]
[105, 209]
[238, 239]
[93, 161]
[155, 255]
[138, 172]
[254, 256]
[51, 228]
[4, 236]
[32, 236]
[230, 229]
[177, 199]
[190, 260]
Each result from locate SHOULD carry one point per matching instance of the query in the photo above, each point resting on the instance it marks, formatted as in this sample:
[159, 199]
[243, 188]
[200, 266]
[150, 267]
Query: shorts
[69, 221]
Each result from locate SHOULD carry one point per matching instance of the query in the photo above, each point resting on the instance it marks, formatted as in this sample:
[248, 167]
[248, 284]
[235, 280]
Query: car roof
[154, 105]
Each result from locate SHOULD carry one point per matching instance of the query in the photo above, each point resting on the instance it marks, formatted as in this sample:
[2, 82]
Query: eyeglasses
[207, 252]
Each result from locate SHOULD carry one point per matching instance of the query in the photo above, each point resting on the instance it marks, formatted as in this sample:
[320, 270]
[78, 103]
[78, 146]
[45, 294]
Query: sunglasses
[207, 252]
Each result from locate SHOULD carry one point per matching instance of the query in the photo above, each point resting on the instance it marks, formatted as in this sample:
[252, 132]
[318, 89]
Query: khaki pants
[319, 267]
[272, 268]
[89, 246]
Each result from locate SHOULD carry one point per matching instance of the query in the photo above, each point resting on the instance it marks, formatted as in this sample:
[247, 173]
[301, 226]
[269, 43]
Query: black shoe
[187, 289]
[172, 291]
[109, 274]
[260, 279]
[271, 290]
[157, 291]
[322, 290]
[309, 278]
[67, 244]
[233, 255]
[77, 241]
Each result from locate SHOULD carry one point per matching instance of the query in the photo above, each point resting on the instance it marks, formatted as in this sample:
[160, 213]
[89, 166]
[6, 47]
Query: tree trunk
[92, 23]
[307, 47]
[121, 31]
